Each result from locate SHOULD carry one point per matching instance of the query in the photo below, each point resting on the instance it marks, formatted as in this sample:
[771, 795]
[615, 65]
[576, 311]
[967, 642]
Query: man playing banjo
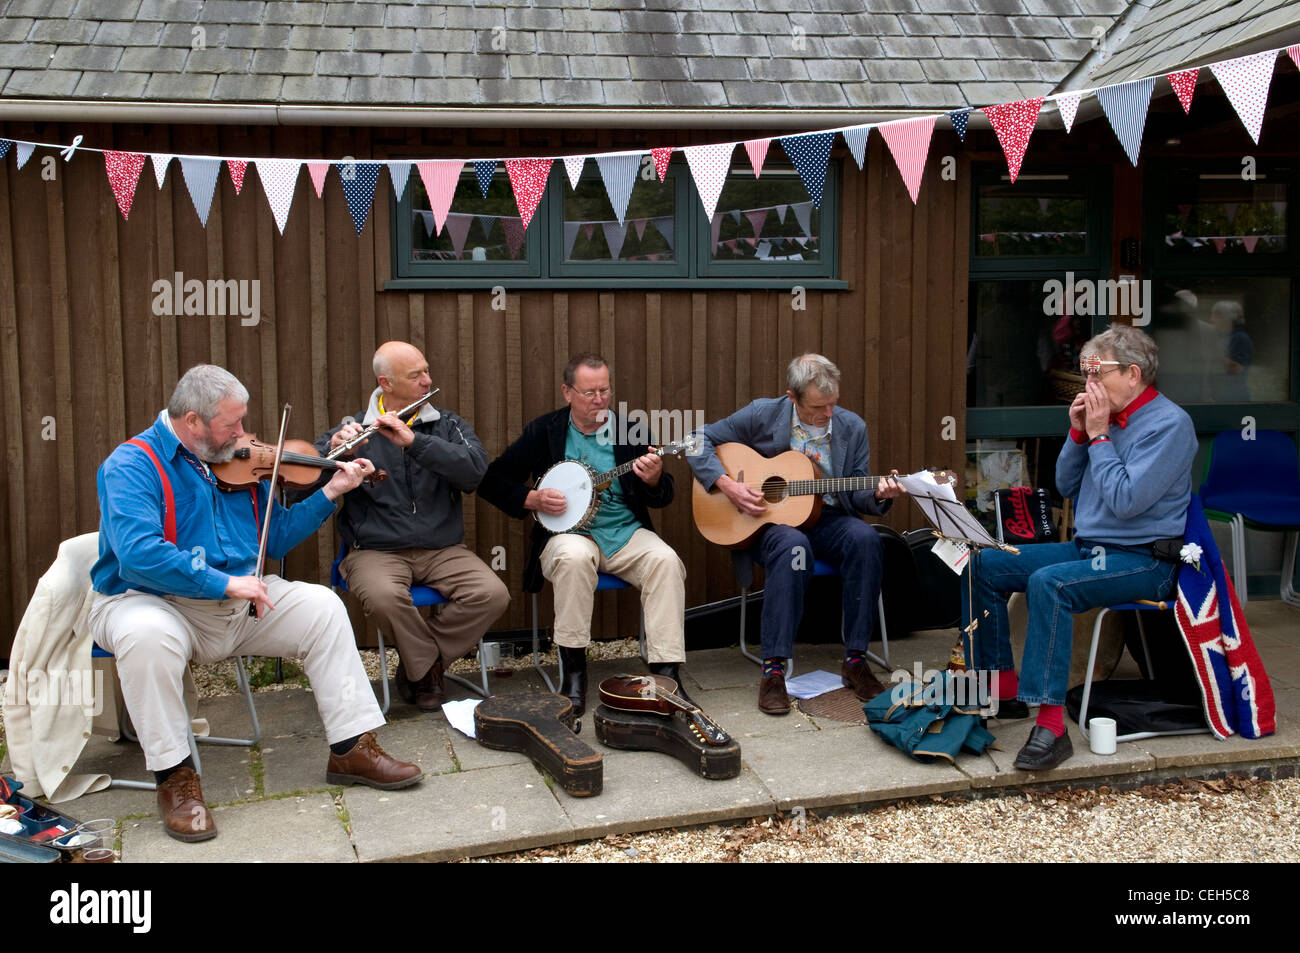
[618, 538]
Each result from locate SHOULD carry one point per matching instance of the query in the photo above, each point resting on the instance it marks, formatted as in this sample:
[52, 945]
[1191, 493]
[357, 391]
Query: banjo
[581, 486]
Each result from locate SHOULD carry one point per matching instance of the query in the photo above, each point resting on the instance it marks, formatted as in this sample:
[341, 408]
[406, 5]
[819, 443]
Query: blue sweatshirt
[217, 531]
[1133, 488]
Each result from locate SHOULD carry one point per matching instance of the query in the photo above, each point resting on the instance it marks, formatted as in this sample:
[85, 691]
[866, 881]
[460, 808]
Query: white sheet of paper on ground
[812, 684]
[460, 714]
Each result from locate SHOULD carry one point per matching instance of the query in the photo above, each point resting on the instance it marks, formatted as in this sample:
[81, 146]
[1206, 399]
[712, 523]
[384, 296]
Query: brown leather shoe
[180, 804]
[859, 677]
[772, 699]
[425, 694]
[367, 763]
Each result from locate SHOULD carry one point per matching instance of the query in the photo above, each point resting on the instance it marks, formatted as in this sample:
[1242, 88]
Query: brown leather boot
[772, 699]
[426, 693]
[180, 804]
[860, 678]
[367, 763]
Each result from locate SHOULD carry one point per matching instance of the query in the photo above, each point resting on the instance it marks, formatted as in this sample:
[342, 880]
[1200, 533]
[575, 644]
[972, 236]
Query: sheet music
[944, 511]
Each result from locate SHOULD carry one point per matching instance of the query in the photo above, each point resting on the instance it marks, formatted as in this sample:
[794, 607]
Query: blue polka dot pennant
[810, 154]
[359, 180]
[958, 119]
[484, 170]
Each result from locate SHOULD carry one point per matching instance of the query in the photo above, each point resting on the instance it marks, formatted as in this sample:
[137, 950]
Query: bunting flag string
[528, 180]
[615, 235]
[619, 175]
[237, 168]
[1013, 123]
[1126, 107]
[279, 179]
[662, 157]
[440, 178]
[856, 139]
[359, 180]
[23, 152]
[201, 181]
[756, 149]
[123, 170]
[959, 118]
[810, 154]
[909, 144]
[160, 161]
[317, 172]
[398, 174]
[484, 169]
[573, 165]
[1245, 80]
[709, 165]
[1067, 104]
[1184, 84]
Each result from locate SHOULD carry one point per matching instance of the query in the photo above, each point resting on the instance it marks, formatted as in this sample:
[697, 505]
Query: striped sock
[773, 666]
[854, 657]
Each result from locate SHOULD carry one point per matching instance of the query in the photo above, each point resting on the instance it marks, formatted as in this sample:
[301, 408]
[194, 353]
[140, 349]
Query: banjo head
[573, 479]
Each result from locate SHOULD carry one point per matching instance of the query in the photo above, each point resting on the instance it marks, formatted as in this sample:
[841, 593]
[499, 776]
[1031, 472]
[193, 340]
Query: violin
[300, 465]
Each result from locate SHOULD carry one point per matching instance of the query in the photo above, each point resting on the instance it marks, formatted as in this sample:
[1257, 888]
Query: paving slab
[304, 829]
[464, 814]
[830, 768]
[1177, 751]
[736, 710]
[713, 669]
[996, 770]
[647, 790]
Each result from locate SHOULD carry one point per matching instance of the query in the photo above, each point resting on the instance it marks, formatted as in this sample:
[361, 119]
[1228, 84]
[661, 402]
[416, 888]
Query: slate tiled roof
[675, 54]
[1159, 36]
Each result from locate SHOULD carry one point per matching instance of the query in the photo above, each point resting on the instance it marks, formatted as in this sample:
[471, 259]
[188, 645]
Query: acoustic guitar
[658, 694]
[792, 494]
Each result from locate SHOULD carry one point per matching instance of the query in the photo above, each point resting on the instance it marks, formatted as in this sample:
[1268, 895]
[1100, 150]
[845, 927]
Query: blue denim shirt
[217, 530]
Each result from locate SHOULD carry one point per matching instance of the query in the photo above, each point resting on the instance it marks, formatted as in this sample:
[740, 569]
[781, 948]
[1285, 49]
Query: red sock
[1052, 717]
[1008, 685]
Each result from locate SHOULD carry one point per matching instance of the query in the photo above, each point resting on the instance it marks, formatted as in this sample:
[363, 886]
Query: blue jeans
[787, 555]
[1058, 579]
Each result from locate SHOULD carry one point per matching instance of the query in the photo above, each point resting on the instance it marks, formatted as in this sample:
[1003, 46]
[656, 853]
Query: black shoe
[1011, 708]
[1043, 750]
[573, 678]
[672, 670]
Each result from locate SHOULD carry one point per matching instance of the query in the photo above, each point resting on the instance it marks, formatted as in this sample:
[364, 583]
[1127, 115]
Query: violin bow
[270, 502]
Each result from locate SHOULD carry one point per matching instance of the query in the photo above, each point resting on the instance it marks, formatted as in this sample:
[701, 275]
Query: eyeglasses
[1093, 367]
[602, 393]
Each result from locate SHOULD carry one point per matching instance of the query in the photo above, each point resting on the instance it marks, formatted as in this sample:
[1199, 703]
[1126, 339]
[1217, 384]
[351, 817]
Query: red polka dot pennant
[237, 169]
[662, 157]
[1184, 84]
[528, 179]
[1013, 122]
[123, 170]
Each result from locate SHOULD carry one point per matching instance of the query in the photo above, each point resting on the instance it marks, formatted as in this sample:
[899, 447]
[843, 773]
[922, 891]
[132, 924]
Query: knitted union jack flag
[1235, 690]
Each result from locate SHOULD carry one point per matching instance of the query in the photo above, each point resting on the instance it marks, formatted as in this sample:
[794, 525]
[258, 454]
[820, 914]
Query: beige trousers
[154, 638]
[476, 599]
[570, 562]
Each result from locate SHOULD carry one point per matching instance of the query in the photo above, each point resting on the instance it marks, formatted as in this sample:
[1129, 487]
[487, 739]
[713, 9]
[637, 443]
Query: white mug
[1101, 735]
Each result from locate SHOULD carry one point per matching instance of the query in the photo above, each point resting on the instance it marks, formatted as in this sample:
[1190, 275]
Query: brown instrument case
[670, 734]
[538, 725]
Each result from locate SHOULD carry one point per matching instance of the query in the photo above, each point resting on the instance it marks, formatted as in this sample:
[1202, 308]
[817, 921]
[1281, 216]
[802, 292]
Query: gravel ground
[1246, 819]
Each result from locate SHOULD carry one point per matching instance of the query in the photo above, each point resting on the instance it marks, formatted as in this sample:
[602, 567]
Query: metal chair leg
[537, 661]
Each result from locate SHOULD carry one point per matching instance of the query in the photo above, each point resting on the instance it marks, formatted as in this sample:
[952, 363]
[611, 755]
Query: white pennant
[856, 137]
[398, 173]
[201, 180]
[709, 165]
[619, 174]
[23, 151]
[160, 162]
[1245, 80]
[279, 178]
[1067, 104]
[573, 165]
[615, 234]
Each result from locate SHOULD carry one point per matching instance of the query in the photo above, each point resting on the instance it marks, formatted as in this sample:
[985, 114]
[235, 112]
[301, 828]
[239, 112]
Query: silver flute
[345, 447]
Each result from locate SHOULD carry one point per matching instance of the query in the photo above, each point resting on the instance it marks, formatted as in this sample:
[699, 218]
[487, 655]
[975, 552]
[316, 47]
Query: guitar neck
[832, 485]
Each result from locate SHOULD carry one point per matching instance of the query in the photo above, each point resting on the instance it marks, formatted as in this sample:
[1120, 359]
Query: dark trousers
[787, 555]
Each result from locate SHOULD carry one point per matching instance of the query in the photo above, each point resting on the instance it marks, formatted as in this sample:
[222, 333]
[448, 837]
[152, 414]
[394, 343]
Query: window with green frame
[1022, 357]
[764, 233]
[1224, 266]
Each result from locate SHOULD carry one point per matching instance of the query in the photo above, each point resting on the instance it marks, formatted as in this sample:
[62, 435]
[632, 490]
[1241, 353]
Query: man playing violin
[174, 580]
[620, 540]
[807, 419]
[409, 529]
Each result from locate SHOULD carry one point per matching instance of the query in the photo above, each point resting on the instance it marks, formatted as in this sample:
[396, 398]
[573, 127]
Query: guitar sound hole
[774, 489]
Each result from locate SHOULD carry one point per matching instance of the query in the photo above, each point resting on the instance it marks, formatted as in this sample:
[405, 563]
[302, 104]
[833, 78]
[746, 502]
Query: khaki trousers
[476, 599]
[570, 562]
[154, 638]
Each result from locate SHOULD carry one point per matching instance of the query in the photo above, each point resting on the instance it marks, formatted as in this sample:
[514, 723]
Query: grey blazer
[764, 425]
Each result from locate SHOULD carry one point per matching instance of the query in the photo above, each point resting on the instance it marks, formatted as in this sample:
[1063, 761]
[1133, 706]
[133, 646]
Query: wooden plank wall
[82, 348]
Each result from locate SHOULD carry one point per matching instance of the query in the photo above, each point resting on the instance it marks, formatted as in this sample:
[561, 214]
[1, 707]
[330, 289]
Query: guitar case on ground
[672, 735]
[537, 724]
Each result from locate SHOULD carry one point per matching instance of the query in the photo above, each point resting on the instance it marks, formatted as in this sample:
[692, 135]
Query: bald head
[402, 372]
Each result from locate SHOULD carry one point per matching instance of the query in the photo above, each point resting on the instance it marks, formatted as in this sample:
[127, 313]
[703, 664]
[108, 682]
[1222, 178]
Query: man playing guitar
[807, 420]
[619, 539]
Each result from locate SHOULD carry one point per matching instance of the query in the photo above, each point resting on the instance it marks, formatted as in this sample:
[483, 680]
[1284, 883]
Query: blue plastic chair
[1255, 484]
[743, 563]
[420, 596]
[604, 582]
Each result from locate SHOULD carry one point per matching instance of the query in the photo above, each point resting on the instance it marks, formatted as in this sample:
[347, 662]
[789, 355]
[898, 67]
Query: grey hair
[812, 370]
[203, 387]
[1231, 310]
[379, 364]
[1127, 345]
